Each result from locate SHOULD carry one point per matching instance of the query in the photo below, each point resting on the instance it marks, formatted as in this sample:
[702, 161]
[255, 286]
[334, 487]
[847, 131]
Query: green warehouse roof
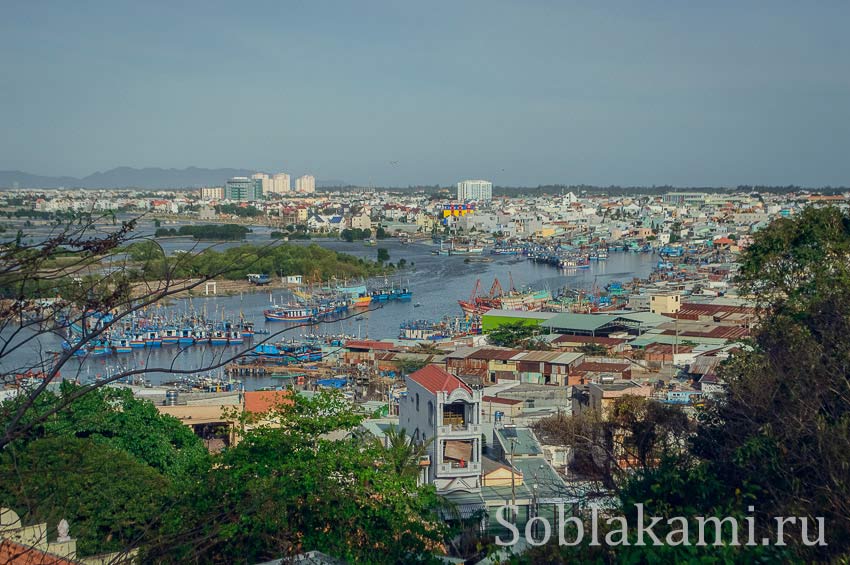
[579, 322]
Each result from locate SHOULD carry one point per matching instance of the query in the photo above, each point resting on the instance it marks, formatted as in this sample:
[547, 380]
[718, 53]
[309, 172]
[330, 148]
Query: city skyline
[388, 95]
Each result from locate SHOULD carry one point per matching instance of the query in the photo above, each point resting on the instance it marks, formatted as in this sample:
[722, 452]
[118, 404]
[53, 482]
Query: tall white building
[306, 184]
[480, 190]
[265, 180]
[281, 183]
[444, 412]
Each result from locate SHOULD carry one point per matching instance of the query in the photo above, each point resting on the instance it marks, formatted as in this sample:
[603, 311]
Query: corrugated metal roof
[522, 440]
[557, 357]
[580, 322]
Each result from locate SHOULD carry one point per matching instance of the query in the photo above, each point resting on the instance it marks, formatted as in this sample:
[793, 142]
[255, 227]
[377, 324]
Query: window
[417, 402]
[431, 413]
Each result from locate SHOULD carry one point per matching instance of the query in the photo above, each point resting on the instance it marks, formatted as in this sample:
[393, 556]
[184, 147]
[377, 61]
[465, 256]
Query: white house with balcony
[443, 410]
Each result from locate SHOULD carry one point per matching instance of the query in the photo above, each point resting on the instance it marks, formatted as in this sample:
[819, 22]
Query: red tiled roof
[261, 401]
[14, 552]
[435, 379]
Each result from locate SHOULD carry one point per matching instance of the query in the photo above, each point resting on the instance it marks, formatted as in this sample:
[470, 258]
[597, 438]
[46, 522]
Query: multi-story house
[444, 412]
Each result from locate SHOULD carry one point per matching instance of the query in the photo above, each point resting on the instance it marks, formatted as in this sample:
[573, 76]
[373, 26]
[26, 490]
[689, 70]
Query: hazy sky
[521, 93]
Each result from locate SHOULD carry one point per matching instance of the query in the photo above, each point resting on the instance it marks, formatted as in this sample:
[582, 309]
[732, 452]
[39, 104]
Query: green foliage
[402, 455]
[512, 334]
[238, 210]
[113, 417]
[109, 498]
[794, 260]
[226, 232]
[383, 255]
[236, 262]
[285, 490]
[593, 349]
[407, 365]
[355, 234]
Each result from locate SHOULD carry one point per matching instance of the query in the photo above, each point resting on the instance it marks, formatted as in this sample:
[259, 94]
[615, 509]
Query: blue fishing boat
[186, 337]
[170, 336]
[234, 337]
[121, 345]
[152, 339]
[219, 337]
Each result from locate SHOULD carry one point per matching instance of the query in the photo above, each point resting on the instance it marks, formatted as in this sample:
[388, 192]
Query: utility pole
[513, 479]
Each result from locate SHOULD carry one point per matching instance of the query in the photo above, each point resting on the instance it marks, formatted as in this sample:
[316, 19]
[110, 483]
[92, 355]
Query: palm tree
[402, 453]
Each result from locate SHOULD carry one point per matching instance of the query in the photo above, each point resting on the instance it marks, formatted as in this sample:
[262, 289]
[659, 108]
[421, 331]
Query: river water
[437, 282]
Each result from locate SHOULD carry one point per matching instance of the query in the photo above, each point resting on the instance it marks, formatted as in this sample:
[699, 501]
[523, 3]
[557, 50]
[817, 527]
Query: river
[437, 282]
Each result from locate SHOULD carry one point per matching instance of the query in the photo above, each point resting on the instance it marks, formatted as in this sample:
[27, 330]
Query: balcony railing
[456, 469]
[459, 429]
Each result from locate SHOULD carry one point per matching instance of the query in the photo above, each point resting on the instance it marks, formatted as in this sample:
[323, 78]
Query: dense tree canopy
[512, 334]
[287, 489]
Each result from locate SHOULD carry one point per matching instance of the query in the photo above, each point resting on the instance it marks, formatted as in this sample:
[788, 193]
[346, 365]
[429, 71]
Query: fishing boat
[67, 346]
[247, 329]
[121, 345]
[186, 337]
[291, 313]
[285, 353]
[219, 337]
[480, 304]
[99, 347]
[401, 294]
[530, 300]
[152, 339]
[202, 336]
[362, 301]
[170, 336]
[234, 337]
[137, 341]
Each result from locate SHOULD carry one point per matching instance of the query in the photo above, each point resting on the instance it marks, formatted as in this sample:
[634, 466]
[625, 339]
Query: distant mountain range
[128, 177]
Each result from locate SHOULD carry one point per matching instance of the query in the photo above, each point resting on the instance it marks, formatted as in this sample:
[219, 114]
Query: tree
[402, 454]
[109, 498]
[383, 255]
[114, 417]
[512, 334]
[593, 349]
[288, 489]
[794, 260]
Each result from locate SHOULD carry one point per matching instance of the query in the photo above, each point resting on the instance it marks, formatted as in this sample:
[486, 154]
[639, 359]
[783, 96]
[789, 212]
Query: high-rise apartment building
[305, 184]
[479, 190]
[212, 193]
[265, 180]
[280, 183]
[243, 189]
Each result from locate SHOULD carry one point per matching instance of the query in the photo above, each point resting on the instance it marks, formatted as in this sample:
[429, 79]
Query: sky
[390, 93]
